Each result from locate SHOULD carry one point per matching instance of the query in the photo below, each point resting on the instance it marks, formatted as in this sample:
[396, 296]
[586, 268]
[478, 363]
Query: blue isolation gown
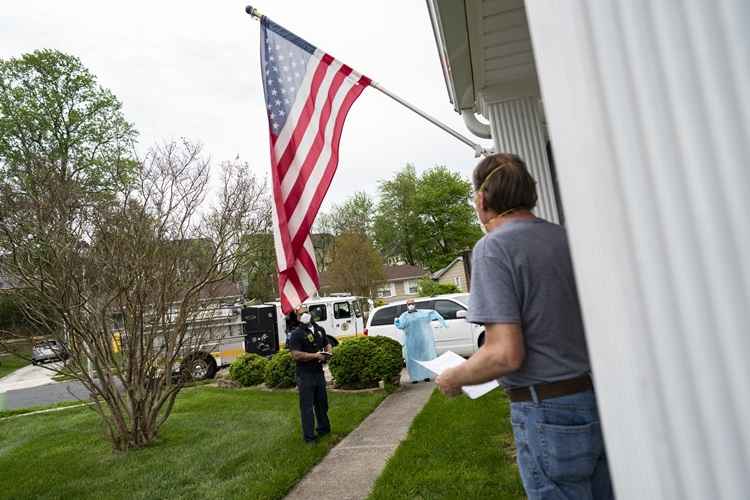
[419, 343]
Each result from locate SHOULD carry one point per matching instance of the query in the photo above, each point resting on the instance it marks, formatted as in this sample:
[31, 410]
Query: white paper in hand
[449, 359]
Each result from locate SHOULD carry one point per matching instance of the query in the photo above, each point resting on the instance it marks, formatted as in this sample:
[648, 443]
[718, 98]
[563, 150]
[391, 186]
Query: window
[341, 310]
[447, 308]
[385, 316]
[318, 312]
[384, 291]
[357, 309]
[459, 282]
[411, 286]
[463, 299]
[425, 304]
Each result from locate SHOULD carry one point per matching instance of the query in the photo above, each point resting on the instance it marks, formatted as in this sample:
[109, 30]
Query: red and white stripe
[304, 157]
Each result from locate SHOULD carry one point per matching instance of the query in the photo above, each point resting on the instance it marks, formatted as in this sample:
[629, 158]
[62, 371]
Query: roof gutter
[476, 127]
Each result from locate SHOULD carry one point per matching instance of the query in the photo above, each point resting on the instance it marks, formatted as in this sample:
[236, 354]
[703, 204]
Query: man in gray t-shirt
[523, 293]
[522, 274]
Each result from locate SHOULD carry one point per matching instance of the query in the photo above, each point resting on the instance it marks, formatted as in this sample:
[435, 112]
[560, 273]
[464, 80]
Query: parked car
[461, 337]
[48, 350]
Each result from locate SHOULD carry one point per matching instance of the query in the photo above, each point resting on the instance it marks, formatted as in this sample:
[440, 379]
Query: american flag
[308, 95]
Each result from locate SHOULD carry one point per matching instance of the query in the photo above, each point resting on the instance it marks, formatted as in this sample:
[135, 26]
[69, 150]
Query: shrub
[248, 369]
[362, 362]
[280, 371]
[389, 359]
[429, 288]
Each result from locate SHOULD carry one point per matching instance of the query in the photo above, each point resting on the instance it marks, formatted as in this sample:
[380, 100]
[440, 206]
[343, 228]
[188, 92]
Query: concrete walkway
[350, 469]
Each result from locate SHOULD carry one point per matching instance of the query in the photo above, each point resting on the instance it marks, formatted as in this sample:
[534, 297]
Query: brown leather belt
[551, 389]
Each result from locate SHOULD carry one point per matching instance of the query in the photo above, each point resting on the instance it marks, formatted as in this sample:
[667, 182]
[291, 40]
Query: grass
[456, 448]
[218, 443]
[9, 364]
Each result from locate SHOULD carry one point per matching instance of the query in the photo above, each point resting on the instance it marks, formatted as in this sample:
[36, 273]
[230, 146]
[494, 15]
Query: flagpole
[478, 149]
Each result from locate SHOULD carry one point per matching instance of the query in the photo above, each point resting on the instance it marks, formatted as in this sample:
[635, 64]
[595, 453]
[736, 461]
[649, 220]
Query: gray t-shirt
[522, 273]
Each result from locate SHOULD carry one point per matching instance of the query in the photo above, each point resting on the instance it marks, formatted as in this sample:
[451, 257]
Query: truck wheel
[200, 366]
[332, 341]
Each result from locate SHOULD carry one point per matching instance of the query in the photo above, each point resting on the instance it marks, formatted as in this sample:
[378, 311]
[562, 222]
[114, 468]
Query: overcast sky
[192, 69]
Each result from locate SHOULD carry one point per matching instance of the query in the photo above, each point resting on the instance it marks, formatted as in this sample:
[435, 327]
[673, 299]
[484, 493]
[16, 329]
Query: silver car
[49, 350]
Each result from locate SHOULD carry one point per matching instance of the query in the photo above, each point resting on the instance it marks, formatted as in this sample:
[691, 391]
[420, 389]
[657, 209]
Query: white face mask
[305, 318]
[411, 307]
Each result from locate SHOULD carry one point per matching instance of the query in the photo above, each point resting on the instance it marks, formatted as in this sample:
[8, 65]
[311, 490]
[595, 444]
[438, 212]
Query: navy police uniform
[311, 383]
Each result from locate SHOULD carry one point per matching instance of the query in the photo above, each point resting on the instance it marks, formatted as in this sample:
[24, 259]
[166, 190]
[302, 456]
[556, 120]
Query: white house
[646, 105]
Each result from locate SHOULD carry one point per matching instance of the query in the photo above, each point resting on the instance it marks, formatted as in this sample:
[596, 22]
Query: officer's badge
[310, 337]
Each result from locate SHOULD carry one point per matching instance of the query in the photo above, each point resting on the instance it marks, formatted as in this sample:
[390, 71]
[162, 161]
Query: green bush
[389, 359]
[280, 371]
[248, 369]
[428, 288]
[362, 362]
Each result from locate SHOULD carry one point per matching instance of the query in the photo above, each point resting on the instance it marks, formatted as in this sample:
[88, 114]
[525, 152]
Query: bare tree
[143, 263]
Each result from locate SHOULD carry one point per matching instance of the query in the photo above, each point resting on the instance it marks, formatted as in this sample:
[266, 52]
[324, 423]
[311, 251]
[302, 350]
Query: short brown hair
[506, 183]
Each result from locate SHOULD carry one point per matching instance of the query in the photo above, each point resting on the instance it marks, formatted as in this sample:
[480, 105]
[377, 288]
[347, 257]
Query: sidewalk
[29, 376]
[350, 469]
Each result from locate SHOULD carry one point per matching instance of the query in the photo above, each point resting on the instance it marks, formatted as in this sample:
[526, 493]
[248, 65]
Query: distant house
[453, 274]
[401, 282]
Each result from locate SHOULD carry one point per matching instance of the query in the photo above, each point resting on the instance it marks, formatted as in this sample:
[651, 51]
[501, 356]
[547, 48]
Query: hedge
[248, 369]
[362, 362]
[280, 372]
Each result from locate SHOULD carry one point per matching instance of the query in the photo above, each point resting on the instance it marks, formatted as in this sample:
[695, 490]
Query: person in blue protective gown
[419, 343]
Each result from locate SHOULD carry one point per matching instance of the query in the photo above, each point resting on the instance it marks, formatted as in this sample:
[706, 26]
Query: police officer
[308, 343]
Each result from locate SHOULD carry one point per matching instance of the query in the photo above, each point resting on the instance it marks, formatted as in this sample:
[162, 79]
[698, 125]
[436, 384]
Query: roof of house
[437, 274]
[220, 289]
[403, 272]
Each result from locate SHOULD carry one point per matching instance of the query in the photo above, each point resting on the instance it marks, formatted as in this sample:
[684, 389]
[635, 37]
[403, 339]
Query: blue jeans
[561, 453]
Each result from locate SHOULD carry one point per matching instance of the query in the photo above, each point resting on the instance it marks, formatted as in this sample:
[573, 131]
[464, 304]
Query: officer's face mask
[411, 307]
[305, 318]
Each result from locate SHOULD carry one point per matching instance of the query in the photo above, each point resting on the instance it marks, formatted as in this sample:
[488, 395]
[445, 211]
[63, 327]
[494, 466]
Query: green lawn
[456, 448]
[218, 443]
[9, 364]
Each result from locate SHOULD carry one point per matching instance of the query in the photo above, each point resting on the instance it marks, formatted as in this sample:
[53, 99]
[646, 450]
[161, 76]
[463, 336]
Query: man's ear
[480, 201]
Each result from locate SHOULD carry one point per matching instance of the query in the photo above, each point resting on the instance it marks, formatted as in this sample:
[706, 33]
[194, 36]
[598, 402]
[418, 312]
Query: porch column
[649, 115]
[517, 128]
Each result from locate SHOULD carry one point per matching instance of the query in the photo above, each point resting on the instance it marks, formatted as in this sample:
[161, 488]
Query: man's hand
[446, 382]
[502, 353]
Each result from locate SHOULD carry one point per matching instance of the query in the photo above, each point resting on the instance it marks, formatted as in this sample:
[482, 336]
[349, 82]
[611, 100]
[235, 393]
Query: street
[55, 392]
[33, 386]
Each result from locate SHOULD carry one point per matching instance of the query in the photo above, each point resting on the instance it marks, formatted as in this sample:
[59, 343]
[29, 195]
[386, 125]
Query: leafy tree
[396, 223]
[357, 266]
[323, 246]
[56, 122]
[428, 288]
[356, 215]
[448, 223]
[426, 219]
